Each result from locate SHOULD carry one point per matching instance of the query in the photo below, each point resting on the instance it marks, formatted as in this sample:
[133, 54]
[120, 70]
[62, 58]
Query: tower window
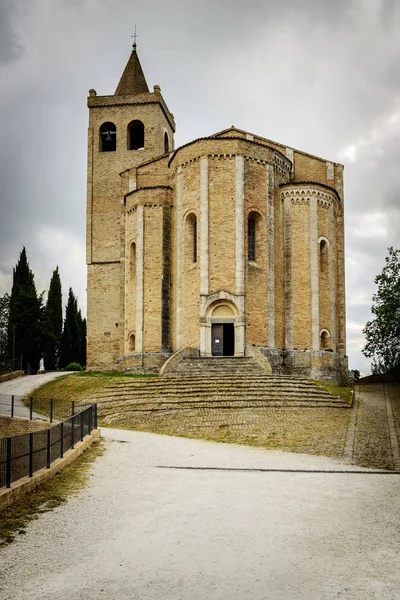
[323, 256]
[251, 236]
[132, 266]
[191, 239]
[325, 343]
[132, 343]
[135, 135]
[166, 143]
[108, 137]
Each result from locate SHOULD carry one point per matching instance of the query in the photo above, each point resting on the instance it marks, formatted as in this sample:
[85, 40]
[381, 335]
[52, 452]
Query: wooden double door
[223, 339]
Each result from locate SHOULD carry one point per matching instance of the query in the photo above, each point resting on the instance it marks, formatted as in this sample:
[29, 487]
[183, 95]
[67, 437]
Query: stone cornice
[230, 139]
[149, 187]
[310, 188]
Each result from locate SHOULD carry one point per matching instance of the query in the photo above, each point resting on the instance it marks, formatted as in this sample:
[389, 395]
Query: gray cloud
[10, 47]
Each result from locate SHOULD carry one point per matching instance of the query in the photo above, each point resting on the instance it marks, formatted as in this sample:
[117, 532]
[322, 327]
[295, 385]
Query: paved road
[22, 386]
[139, 531]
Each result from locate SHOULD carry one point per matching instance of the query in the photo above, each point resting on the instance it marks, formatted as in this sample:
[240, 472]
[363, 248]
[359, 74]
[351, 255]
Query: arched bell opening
[136, 135]
[108, 137]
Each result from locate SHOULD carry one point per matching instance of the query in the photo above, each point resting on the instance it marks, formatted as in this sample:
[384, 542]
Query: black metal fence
[7, 365]
[43, 409]
[22, 455]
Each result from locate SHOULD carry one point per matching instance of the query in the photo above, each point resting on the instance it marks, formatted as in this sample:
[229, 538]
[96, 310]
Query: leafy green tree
[53, 320]
[25, 324]
[4, 316]
[71, 339]
[383, 341]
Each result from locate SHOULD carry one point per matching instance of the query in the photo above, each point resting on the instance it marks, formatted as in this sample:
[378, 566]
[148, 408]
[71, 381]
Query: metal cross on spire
[134, 36]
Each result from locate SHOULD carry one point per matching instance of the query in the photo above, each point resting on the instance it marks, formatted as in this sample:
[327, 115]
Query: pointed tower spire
[133, 81]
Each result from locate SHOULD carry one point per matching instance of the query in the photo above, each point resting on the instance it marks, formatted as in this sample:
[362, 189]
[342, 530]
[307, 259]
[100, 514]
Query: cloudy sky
[319, 75]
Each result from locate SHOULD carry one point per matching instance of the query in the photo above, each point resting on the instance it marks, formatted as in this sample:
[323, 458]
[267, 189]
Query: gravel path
[138, 531]
[24, 385]
[21, 387]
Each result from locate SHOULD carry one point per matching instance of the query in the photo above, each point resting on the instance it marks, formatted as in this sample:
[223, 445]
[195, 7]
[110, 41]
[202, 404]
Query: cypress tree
[70, 347]
[26, 316]
[53, 322]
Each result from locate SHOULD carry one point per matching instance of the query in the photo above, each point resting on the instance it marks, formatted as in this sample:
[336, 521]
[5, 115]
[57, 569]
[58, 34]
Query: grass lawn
[309, 430]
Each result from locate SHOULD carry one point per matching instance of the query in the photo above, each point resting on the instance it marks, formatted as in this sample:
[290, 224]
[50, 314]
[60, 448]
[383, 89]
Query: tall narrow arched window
[135, 135]
[191, 239]
[108, 137]
[166, 143]
[251, 238]
[323, 255]
[132, 261]
[131, 343]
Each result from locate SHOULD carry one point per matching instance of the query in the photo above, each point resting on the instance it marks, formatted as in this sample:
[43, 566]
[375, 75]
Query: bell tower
[126, 129]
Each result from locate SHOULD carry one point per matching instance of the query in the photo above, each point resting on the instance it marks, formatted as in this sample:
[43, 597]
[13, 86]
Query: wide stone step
[216, 399]
[213, 391]
[131, 408]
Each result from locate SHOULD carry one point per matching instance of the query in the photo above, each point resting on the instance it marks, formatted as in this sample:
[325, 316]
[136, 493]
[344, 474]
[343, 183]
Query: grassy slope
[310, 430]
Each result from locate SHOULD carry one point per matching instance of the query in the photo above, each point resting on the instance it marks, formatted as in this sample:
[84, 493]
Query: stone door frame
[208, 303]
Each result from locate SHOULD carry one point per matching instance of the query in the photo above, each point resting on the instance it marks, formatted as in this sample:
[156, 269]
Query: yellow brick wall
[279, 273]
[255, 193]
[103, 315]
[222, 224]
[301, 276]
[324, 276]
[152, 277]
[190, 269]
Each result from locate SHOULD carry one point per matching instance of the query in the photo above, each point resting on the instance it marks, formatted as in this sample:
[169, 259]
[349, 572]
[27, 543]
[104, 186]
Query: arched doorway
[222, 331]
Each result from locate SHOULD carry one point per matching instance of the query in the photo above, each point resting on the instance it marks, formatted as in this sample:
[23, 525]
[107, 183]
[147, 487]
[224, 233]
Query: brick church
[230, 245]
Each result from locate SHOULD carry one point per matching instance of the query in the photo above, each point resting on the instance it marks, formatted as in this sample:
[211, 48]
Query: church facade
[225, 246]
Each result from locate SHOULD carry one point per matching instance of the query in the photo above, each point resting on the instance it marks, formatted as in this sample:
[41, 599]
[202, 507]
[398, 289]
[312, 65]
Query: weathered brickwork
[232, 229]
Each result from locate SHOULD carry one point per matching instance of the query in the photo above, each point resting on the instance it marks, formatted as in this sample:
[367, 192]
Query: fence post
[48, 447]
[95, 416]
[90, 420]
[61, 440]
[51, 410]
[81, 417]
[8, 462]
[73, 407]
[12, 405]
[31, 408]
[72, 432]
[31, 455]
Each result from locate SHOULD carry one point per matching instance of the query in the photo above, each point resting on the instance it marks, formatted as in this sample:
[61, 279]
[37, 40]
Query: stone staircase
[219, 383]
[223, 366]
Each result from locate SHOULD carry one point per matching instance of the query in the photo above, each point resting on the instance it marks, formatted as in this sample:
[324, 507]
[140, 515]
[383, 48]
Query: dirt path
[174, 518]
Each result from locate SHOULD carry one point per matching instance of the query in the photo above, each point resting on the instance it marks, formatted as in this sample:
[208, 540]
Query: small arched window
[323, 255]
[325, 338]
[135, 135]
[191, 238]
[108, 137]
[132, 343]
[166, 143]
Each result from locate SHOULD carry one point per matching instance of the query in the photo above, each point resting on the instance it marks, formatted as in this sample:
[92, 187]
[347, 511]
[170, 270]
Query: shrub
[73, 366]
